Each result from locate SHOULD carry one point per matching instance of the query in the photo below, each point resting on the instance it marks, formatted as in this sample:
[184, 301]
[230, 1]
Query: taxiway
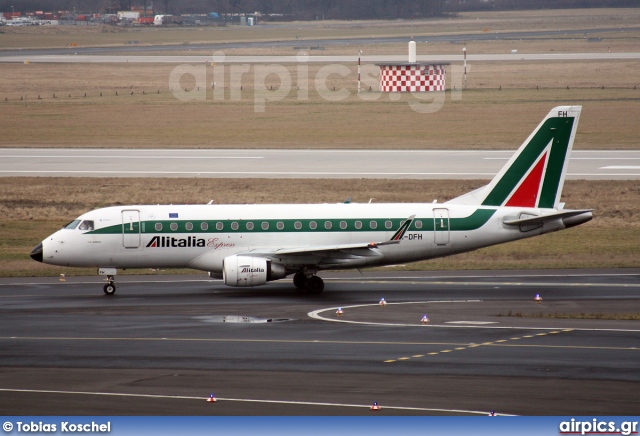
[162, 344]
[274, 163]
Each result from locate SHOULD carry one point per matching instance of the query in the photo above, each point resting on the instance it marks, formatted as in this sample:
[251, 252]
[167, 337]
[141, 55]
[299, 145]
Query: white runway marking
[270, 173]
[149, 157]
[245, 400]
[621, 167]
[316, 315]
[581, 158]
[472, 322]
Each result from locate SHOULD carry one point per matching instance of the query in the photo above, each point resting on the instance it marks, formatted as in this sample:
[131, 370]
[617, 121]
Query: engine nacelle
[250, 271]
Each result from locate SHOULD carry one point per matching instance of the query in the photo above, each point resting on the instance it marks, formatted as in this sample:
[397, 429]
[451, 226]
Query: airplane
[252, 244]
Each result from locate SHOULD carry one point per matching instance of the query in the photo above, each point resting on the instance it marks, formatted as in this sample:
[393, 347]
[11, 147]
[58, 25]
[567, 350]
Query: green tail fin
[535, 175]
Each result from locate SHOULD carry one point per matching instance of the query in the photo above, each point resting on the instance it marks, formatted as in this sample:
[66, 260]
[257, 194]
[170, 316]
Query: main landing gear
[110, 288]
[312, 284]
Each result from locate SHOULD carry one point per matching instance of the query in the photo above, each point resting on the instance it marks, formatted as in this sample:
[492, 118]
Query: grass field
[33, 208]
[484, 117]
[500, 107]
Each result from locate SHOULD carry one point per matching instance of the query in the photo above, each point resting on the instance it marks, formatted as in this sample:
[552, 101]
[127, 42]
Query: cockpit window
[86, 225]
[72, 225]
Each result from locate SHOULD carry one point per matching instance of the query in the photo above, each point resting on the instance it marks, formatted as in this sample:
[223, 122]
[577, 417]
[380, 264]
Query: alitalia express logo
[189, 241]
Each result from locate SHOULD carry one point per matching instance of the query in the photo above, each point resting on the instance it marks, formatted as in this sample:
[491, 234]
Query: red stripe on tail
[527, 194]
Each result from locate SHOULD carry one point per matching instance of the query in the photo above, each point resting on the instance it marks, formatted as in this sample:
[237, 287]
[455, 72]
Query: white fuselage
[249, 245]
[144, 236]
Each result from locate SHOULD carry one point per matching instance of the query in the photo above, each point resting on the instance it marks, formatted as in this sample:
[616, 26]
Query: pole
[359, 54]
[464, 51]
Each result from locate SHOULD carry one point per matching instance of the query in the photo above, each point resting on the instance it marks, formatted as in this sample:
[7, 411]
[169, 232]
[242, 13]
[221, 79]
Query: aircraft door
[131, 228]
[441, 226]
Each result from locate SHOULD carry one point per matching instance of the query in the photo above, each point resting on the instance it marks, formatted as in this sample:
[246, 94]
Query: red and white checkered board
[410, 78]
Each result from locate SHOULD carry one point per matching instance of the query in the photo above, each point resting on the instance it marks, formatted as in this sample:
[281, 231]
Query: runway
[163, 344]
[219, 57]
[335, 164]
[44, 55]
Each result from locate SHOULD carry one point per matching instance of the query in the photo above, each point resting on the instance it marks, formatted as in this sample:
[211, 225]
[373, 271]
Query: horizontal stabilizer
[546, 218]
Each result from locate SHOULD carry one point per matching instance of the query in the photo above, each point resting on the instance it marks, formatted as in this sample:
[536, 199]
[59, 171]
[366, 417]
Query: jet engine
[246, 271]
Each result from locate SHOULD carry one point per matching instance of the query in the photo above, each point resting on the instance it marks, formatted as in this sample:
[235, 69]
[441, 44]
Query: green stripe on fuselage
[472, 222]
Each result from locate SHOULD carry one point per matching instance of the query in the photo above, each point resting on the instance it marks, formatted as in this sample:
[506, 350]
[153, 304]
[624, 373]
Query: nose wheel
[110, 288]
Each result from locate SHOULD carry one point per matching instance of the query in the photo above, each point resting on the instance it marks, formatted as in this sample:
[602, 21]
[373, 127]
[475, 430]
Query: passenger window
[297, 225]
[388, 224]
[358, 225]
[249, 226]
[173, 226]
[373, 225]
[86, 225]
[188, 227]
[219, 226]
[203, 226]
[158, 227]
[327, 225]
[265, 226]
[234, 226]
[418, 224]
[280, 225]
[343, 225]
[313, 225]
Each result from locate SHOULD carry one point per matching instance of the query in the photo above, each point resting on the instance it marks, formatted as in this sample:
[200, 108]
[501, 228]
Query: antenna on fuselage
[211, 202]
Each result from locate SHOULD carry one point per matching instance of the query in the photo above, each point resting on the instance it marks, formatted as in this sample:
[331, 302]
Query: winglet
[397, 236]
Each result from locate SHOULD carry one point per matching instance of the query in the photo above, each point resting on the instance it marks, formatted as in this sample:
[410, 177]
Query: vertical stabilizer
[535, 175]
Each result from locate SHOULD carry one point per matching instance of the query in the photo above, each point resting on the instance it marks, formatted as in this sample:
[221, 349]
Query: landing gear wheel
[315, 285]
[109, 289]
[299, 280]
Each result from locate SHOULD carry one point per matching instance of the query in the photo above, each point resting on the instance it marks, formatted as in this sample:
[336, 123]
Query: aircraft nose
[36, 254]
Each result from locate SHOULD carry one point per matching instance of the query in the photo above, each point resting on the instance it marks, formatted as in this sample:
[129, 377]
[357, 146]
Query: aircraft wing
[545, 218]
[328, 248]
[352, 255]
[333, 254]
[395, 239]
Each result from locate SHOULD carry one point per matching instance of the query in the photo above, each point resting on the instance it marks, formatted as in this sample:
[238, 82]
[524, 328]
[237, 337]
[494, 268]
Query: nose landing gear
[110, 288]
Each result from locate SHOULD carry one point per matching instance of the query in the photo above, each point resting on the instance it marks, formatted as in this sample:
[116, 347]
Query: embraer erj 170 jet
[249, 245]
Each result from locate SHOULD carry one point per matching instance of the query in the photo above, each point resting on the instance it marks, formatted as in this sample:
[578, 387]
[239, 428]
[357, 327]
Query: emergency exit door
[131, 228]
[441, 226]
